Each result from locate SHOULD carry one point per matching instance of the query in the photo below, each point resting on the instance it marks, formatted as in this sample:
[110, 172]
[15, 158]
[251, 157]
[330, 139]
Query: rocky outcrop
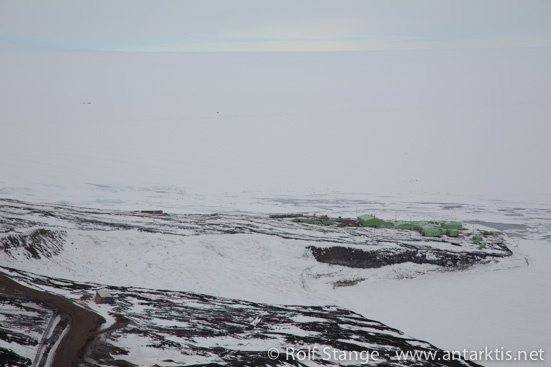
[36, 244]
[369, 258]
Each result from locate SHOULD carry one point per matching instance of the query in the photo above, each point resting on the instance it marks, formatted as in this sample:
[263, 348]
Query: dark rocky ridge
[356, 258]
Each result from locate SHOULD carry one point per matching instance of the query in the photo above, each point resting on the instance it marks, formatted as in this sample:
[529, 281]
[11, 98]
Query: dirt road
[83, 322]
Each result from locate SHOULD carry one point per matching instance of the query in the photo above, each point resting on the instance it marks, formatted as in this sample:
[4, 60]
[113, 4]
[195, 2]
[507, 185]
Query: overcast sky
[282, 25]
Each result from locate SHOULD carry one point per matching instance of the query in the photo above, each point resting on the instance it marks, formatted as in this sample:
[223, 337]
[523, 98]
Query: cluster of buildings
[429, 229]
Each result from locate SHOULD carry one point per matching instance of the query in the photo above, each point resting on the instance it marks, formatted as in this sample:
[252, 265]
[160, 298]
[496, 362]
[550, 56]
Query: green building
[430, 230]
[367, 220]
[452, 232]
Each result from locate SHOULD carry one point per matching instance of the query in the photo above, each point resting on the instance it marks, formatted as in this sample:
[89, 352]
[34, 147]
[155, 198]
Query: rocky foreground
[169, 328]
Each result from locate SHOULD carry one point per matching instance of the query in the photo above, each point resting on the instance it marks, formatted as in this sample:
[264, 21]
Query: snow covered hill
[171, 328]
[256, 263]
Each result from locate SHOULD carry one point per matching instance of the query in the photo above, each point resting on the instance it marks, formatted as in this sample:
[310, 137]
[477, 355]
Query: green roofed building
[367, 220]
[430, 230]
[452, 232]
[451, 225]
